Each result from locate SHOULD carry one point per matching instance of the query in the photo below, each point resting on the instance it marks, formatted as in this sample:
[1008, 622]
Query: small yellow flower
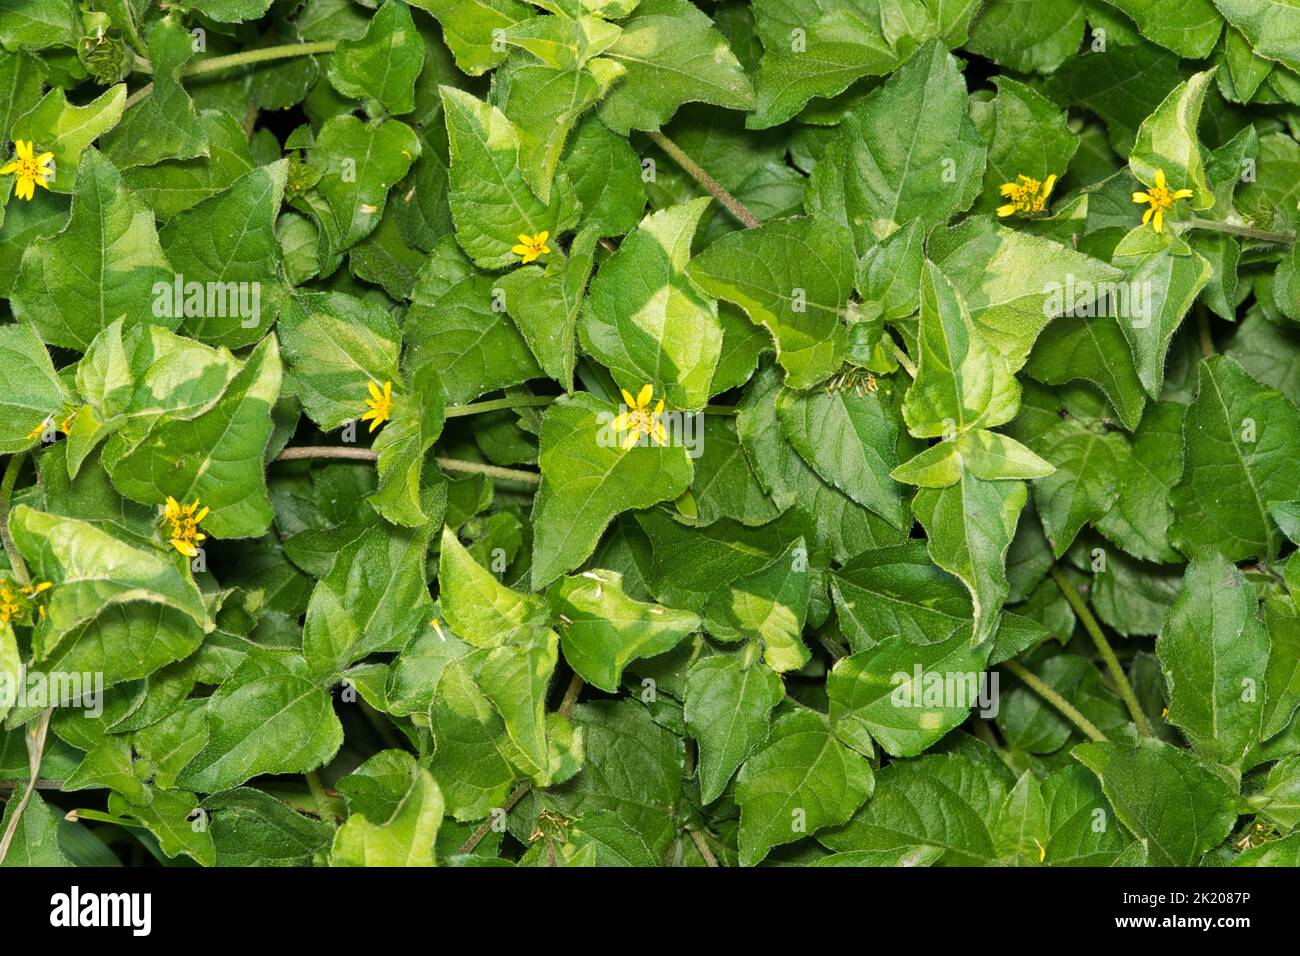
[10, 609]
[639, 420]
[1028, 196]
[381, 404]
[43, 424]
[31, 170]
[65, 424]
[33, 591]
[185, 533]
[1161, 200]
[530, 247]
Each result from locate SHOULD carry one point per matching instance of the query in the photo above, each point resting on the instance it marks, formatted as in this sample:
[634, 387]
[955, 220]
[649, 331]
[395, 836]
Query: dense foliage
[650, 432]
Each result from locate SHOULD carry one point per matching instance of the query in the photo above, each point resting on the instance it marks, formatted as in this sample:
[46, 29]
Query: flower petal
[643, 397]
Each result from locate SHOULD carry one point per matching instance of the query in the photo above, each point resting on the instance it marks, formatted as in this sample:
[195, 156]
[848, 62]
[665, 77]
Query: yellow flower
[185, 533]
[31, 170]
[639, 420]
[1161, 200]
[34, 590]
[43, 424]
[530, 247]
[381, 404]
[1028, 196]
[10, 609]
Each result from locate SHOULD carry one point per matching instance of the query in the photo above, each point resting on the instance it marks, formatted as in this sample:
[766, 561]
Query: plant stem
[1203, 330]
[217, 63]
[1246, 232]
[496, 404]
[702, 844]
[492, 471]
[12, 468]
[324, 804]
[904, 359]
[35, 751]
[99, 816]
[281, 52]
[696, 172]
[1068, 710]
[450, 464]
[1107, 653]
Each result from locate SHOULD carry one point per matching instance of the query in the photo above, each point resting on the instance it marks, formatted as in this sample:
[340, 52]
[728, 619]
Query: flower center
[639, 419]
[1025, 195]
[30, 169]
[1161, 197]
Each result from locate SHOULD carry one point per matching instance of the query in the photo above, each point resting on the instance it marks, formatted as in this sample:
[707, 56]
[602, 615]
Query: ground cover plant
[645, 432]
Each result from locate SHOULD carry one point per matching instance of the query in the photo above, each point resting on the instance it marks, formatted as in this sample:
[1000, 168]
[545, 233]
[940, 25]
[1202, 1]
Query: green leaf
[383, 64]
[1167, 275]
[1237, 437]
[587, 480]
[1164, 796]
[606, 176]
[960, 382]
[802, 780]
[727, 708]
[970, 526]
[402, 446]
[1091, 349]
[633, 769]
[31, 395]
[875, 181]
[374, 597]
[215, 457]
[1214, 650]
[1089, 474]
[850, 440]
[468, 340]
[1026, 135]
[252, 828]
[234, 268]
[1028, 38]
[394, 811]
[835, 48]
[265, 718]
[673, 55]
[334, 345]
[1015, 283]
[1189, 29]
[603, 629]
[355, 164]
[104, 265]
[470, 29]
[903, 695]
[545, 103]
[175, 185]
[950, 801]
[794, 277]
[491, 202]
[515, 677]
[1271, 28]
[165, 124]
[771, 604]
[647, 321]
[471, 744]
[898, 591]
[535, 297]
[480, 608]
[92, 569]
[1167, 141]
[66, 129]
